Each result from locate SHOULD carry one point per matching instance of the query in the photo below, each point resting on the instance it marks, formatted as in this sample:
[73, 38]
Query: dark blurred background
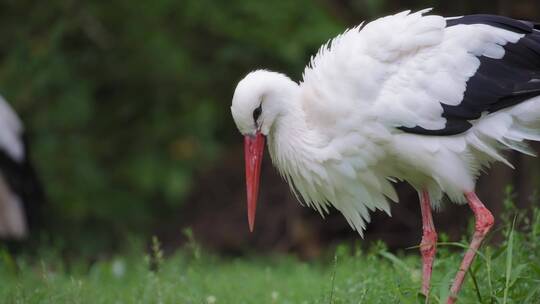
[127, 108]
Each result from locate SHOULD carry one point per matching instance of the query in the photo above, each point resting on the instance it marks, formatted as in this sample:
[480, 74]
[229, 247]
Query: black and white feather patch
[23, 181]
[498, 83]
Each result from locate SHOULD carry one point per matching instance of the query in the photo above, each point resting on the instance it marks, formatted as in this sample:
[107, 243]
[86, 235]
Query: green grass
[504, 273]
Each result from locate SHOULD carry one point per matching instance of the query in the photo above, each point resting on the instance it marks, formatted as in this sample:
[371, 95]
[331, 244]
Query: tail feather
[12, 216]
[496, 131]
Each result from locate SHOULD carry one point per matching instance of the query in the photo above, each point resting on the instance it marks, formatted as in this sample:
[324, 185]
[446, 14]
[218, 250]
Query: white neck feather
[294, 148]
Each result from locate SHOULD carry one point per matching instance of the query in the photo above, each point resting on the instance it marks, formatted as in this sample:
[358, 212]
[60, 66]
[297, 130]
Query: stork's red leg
[484, 220]
[428, 246]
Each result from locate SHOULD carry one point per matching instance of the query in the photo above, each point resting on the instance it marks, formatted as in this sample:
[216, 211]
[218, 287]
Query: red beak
[253, 151]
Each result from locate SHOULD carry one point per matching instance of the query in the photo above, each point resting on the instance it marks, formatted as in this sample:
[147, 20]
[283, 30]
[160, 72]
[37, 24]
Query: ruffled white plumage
[396, 71]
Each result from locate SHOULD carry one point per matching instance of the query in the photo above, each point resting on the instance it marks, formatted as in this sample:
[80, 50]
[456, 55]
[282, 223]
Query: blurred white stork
[421, 98]
[18, 182]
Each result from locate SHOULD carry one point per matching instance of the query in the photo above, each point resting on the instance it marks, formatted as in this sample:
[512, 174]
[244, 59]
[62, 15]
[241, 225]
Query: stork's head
[258, 101]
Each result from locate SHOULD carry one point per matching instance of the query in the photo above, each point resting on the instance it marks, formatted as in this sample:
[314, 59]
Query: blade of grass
[362, 297]
[460, 245]
[531, 294]
[509, 254]
[333, 280]
[399, 291]
[488, 269]
[395, 260]
[472, 273]
[444, 287]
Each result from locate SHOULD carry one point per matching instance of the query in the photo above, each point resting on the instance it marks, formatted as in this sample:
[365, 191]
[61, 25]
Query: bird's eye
[257, 113]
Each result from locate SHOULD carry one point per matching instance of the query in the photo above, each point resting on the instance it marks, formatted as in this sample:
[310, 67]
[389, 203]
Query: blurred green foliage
[124, 101]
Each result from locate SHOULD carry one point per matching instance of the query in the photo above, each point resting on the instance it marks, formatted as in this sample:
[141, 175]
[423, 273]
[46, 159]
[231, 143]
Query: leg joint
[484, 220]
[429, 241]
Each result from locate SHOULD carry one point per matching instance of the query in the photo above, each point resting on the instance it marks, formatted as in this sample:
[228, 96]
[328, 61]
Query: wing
[485, 63]
[21, 192]
[12, 215]
[424, 74]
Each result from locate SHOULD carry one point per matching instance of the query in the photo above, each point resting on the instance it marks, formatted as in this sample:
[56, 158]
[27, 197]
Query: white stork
[415, 97]
[18, 182]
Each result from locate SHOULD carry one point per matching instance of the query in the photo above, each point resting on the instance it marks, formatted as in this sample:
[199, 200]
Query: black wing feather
[498, 83]
[23, 180]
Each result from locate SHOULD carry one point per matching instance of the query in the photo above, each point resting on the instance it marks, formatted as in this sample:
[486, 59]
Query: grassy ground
[506, 273]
